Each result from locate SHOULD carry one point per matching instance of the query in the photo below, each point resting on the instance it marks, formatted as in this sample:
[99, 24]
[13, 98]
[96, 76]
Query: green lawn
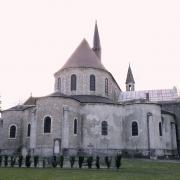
[130, 170]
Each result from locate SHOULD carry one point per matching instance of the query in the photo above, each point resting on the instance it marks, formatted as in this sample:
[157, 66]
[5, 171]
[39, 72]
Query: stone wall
[54, 108]
[10, 145]
[89, 138]
[92, 117]
[83, 82]
[148, 142]
[174, 107]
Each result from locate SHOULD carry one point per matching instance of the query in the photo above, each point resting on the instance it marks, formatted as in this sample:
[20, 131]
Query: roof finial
[96, 41]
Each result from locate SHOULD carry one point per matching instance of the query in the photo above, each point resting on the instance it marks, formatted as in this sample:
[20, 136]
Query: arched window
[106, 86]
[75, 126]
[47, 124]
[12, 131]
[29, 130]
[92, 83]
[134, 129]
[59, 83]
[104, 128]
[73, 82]
[160, 129]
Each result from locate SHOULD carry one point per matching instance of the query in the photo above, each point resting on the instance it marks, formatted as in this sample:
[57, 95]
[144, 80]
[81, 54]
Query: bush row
[86, 161]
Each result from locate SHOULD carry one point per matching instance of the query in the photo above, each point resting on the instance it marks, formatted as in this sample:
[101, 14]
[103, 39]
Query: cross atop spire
[96, 42]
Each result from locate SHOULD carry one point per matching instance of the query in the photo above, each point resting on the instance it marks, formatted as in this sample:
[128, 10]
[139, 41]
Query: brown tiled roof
[84, 98]
[31, 101]
[83, 56]
[19, 108]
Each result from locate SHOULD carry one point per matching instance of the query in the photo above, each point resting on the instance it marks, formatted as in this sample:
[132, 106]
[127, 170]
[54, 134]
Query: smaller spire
[96, 42]
[130, 80]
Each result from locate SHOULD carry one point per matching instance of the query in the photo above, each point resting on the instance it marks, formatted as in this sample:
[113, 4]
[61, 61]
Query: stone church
[88, 113]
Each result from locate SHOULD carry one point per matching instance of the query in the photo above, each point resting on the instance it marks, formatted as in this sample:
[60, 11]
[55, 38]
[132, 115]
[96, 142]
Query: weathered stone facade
[88, 118]
[83, 81]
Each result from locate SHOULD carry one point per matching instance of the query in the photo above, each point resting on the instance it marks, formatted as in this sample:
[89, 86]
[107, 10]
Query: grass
[130, 170]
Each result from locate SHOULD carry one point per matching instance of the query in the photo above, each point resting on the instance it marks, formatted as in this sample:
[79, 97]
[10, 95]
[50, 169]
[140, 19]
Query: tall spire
[130, 80]
[96, 42]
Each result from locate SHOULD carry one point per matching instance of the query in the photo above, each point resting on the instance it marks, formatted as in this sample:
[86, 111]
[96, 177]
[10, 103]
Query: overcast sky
[38, 36]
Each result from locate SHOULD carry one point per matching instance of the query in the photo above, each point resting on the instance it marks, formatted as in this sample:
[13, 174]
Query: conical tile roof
[83, 56]
[130, 78]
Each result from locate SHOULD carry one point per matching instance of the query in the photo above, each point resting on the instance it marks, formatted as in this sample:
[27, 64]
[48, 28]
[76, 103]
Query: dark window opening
[73, 82]
[29, 130]
[59, 83]
[160, 129]
[106, 86]
[75, 126]
[47, 124]
[12, 131]
[92, 83]
[134, 129]
[104, 130]
[1, 123]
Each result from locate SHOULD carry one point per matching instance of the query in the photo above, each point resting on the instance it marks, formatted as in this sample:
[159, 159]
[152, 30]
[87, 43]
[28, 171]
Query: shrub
[97, 162]
[13, 161]
[80, 161]
[54, 162]
[61, 161]
[44, 163]
[118, 161]
[28, 161]
[89, 161]
[108, 161]
[20, 160]
[36, 161]
[0, 161]
[72, 161]
[5, 160]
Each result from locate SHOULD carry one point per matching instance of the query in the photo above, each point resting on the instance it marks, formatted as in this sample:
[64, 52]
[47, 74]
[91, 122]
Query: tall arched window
[75, 126]
[160, 129]
[104, 128]
[47, 124]
[73, 82]
[134, 128]
[92, 83]
[106, 86]
[12, 131]
[29, 130]
[59, 83]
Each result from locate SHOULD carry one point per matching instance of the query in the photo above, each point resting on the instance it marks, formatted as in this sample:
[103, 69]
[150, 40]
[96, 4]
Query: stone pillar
[173, 136]
[65, 128]
[150, 134]
[33, 130]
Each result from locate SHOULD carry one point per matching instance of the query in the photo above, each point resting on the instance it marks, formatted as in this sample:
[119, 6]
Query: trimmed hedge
[89, 161]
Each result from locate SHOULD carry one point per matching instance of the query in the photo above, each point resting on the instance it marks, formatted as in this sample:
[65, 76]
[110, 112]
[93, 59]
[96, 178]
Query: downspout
[148, 135]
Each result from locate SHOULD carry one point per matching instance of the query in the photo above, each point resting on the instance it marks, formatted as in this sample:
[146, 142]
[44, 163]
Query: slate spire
[130, 80]
[96, 42]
